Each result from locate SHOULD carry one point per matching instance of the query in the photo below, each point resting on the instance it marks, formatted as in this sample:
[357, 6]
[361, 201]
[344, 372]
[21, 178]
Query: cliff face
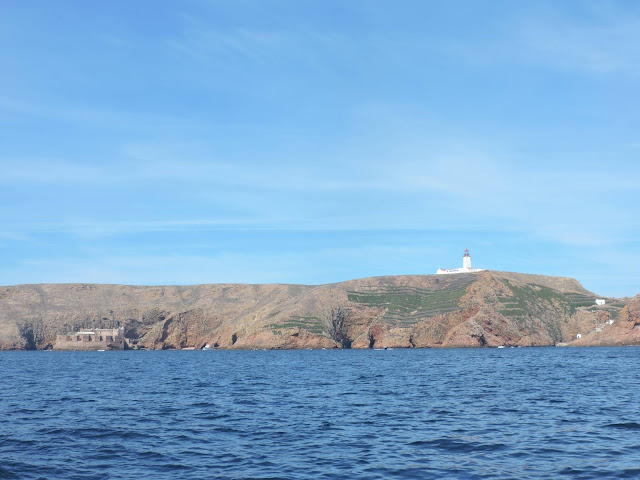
[624, 331]
[466, 310]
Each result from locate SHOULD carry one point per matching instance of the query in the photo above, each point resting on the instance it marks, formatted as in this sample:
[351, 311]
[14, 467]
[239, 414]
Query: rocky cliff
[624, 331]
[466, 310]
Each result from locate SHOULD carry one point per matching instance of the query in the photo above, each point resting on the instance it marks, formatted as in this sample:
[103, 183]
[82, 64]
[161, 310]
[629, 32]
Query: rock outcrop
[467, 310]
[625, 330]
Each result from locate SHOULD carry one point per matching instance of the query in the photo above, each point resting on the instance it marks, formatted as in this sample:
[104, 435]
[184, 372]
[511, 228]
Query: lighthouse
[466, 259]
[466, 266]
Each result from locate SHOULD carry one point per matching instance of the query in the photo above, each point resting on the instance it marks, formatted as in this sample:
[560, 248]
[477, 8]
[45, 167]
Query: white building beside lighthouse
[466, 266]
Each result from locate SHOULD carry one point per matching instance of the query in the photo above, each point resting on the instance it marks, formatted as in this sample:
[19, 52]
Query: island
[479, 309]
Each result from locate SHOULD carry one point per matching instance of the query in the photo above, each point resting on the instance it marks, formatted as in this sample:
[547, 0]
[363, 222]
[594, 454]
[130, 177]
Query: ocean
[325, 414]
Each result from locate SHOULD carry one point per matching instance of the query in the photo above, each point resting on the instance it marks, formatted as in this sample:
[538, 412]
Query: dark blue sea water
[509, 413]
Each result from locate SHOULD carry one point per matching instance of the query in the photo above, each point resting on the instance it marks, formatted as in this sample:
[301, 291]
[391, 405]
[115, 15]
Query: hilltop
[466, 310]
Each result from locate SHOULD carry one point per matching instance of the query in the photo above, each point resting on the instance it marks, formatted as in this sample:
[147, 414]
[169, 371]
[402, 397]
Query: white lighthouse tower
[466, 260]
[466, 266]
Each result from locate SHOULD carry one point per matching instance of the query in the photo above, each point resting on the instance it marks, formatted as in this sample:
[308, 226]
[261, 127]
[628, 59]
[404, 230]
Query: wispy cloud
[52, 109]
[204, 43]
[51, 171]
[606, 40]
[566, 204]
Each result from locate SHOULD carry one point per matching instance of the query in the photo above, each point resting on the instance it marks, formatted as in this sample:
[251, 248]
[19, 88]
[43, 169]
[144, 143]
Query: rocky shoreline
[487, 309]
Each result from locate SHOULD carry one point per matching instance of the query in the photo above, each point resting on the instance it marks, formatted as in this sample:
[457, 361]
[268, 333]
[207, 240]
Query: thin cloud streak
[566, 206]
[612, 46]
[96, 115]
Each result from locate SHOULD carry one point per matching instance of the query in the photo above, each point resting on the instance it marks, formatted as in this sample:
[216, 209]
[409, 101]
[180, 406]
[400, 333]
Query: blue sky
[162, 142]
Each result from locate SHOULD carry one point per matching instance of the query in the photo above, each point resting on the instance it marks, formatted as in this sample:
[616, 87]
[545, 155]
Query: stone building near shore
[94, 339]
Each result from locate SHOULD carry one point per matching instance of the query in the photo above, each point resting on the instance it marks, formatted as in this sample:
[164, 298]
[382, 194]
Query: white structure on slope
[466, 266]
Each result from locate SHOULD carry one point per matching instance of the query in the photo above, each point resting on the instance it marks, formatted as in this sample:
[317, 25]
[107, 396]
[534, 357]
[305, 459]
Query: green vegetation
[580, 300]
[513, 313]
[549, 294]
[308, 324]
[530, 300]
[407, 305]
[526, 297]
[613, 311]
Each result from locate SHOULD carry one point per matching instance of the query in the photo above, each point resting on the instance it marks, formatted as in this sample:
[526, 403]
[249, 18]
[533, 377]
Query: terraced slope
[404, 306]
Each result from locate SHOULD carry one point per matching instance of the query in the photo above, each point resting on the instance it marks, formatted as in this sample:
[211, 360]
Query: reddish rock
[624, 331]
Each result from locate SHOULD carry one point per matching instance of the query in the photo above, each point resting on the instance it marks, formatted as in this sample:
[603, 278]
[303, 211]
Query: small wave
[149, 454]
[548, 451]
[20, 442]
[629, 473]
[176, 466]
[441, 412]
[53, 431]
[223, 429]
[212, 417]
[570, 471]
[103, 433]
[4, 473]
[458, 446]
[625, 425]
[556, 400]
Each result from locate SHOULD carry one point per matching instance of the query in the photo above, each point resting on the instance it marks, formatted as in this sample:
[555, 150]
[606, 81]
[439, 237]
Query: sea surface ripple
[328, 414]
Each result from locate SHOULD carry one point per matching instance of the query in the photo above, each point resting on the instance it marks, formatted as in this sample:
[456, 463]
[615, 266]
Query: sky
[272, 141]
